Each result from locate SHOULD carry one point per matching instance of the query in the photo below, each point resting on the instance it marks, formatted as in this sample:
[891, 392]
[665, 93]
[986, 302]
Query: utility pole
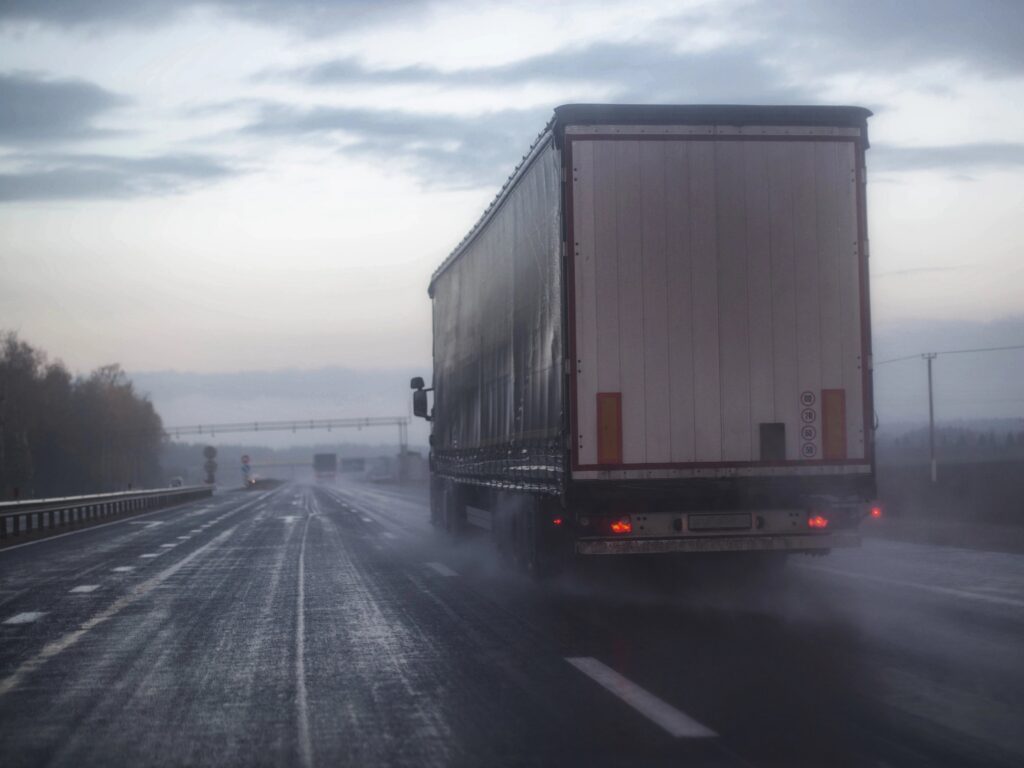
[929, 356]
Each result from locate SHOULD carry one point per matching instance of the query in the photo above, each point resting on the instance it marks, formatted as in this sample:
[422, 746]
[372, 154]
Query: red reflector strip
[609, 427]
[833, 423]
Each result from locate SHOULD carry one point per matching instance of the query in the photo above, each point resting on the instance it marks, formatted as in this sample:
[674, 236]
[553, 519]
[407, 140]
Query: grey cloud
[638, 71]
[450, 150]
[35, 109]
[444, 150]
[77, 177]
[882, 34]
[975, 156]
[310, 16]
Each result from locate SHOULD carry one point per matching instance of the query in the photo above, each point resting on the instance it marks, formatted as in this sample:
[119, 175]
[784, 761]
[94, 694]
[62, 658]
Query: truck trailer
[325, 467]
[656, 340]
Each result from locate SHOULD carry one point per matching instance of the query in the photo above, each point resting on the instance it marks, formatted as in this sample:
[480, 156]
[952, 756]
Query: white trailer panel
[717, 302]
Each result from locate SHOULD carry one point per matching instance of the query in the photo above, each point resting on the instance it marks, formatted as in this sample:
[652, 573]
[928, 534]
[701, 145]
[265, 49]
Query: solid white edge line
[676, 723]
[122, 521]
[86, 529]
[58, 646]
[302, 697]
[441, 568]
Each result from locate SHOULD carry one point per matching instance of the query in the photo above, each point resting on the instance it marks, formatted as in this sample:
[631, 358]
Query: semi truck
[325, 467]
[656, 340]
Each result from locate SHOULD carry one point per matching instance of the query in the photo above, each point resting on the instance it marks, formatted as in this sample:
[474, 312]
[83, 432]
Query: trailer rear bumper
[799, 543]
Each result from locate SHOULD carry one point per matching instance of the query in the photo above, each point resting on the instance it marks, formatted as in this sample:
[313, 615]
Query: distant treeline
[65, 435]
[953, 443]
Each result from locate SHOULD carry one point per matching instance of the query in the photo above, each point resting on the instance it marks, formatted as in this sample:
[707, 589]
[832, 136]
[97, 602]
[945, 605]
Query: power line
[983, 349]
[898, 359]
[950, 352]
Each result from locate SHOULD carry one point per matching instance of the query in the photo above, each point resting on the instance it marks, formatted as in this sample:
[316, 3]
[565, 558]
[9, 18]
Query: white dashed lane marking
[25, 618]
[441, 568]
[168, 546]
[83, 588]
[678, 724]
[123, 568]
[55, 647]
[151, 554]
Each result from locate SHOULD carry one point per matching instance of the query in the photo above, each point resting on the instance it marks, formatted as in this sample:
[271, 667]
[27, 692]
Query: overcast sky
[222, 186]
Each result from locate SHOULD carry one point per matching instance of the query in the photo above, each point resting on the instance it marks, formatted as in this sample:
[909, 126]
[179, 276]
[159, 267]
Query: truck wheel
[537, 556]
[437, 502]
[453, 510]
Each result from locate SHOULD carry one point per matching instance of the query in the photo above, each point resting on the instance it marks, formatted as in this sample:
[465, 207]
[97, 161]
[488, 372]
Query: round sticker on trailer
[807, 397]
[808, 432]
[808, 450]
[808, 415]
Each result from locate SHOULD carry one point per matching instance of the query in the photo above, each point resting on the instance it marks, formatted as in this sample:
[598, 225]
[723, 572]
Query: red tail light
[556, 521]
[622, 525]
[876, 511]
[817, 521]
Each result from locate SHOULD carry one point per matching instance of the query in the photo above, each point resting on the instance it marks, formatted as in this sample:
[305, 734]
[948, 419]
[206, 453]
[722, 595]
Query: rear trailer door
[718, 305]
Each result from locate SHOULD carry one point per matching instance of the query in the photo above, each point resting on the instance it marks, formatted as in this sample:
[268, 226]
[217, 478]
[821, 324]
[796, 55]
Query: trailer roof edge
[660, 114]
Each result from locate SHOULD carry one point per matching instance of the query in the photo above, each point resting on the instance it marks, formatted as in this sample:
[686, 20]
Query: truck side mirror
[419, 404]
[417, 383]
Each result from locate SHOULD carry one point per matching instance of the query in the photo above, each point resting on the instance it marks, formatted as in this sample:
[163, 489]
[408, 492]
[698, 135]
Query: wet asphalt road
[329, 626]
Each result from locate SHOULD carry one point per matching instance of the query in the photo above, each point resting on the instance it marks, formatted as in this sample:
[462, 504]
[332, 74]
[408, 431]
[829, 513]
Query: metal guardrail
[38, 516]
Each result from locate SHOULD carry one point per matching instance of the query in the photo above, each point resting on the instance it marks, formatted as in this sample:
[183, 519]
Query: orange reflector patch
[609, 427]
[622, 525]
[833, 423]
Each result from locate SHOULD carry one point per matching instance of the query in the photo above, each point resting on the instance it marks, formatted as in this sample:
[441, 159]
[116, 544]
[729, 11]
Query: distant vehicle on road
[177, 482]
[325, 467]
[657, 339]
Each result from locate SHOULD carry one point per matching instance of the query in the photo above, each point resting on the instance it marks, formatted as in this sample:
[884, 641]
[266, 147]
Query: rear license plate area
[729, 521]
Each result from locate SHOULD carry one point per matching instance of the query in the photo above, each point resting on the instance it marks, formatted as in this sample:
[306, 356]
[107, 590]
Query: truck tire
[536, 554]
[437, 502]
[454, 511]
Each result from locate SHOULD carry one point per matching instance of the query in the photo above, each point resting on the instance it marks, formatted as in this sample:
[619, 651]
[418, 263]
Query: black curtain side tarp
[498, 342]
